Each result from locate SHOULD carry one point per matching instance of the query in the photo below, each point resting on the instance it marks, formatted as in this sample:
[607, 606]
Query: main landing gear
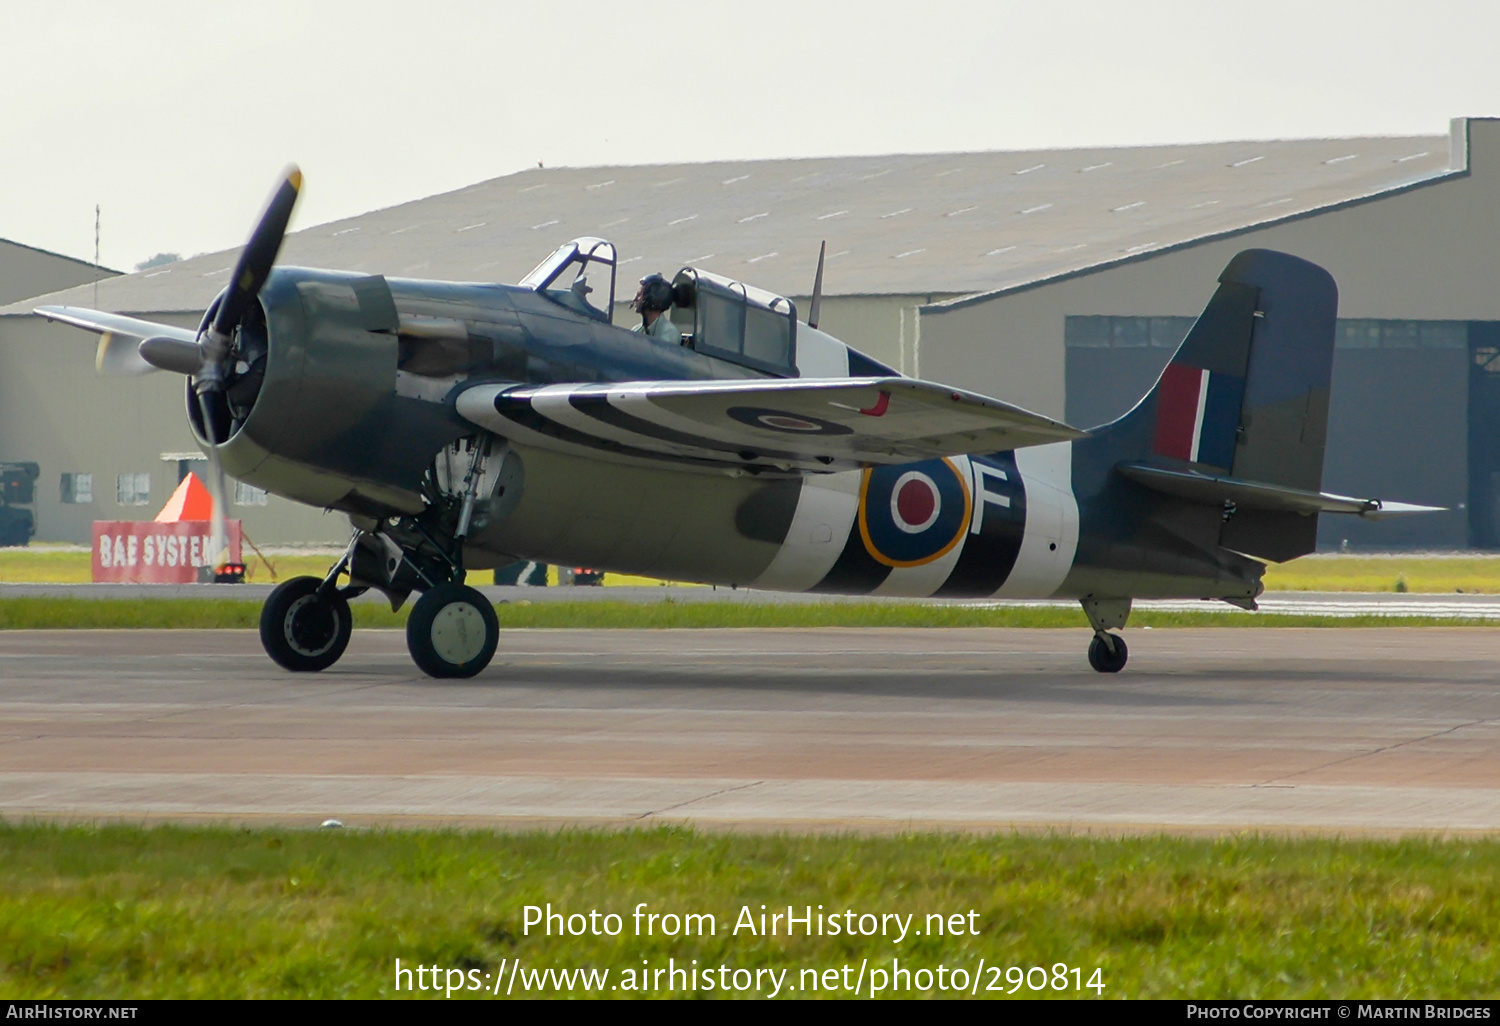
[1107, 652]
[452, 630]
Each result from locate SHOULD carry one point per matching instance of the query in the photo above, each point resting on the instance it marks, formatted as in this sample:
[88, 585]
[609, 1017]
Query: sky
[176, 118]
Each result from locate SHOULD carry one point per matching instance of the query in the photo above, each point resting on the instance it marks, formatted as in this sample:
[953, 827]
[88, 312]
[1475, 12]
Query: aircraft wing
[762, 424]
[119, 336]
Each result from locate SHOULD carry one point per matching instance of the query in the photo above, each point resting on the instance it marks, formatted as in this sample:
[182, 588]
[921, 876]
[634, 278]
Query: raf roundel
[787, 423]
[915, 502]
[913, 513]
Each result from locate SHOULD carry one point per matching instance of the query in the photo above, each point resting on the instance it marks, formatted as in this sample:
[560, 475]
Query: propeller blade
[168, 354]
[119, 336]
[211, 405]
[254, 265]
[218, 536]
[117, 356]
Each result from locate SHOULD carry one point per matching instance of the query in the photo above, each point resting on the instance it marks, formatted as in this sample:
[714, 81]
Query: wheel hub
[311, 626]
[458, 633]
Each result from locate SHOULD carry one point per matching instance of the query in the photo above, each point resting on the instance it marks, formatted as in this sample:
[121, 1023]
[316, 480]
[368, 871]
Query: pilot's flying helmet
[655, 294]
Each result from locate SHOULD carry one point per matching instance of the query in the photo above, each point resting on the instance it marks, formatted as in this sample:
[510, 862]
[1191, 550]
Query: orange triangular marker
[191, 501]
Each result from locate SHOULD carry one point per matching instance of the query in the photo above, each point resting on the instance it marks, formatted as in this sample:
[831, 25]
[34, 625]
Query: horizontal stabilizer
[1216, 490]
[760, 424]
[120, 336]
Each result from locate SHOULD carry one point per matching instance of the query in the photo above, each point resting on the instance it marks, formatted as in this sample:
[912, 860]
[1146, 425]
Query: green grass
[67, 566]
[1429, 574]
[51, 613]
[1331, 572]
[52, 566]
[126, 912]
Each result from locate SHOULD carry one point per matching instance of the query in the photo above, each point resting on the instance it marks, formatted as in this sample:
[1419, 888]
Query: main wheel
[452, 631]
[1104, 660]
[302, 630]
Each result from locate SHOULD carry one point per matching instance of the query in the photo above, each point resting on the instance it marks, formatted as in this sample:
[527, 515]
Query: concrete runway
[1349, 731]
[1329, 603]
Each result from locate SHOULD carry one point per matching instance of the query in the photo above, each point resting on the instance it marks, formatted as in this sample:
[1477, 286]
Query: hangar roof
[949, 223]
[25, 270]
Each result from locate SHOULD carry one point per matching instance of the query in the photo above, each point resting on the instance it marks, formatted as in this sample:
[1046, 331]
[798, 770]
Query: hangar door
[1401, 423]
[1484, 434]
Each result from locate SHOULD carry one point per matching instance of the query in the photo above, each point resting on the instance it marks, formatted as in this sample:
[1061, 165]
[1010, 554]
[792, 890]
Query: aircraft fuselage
[357, 397]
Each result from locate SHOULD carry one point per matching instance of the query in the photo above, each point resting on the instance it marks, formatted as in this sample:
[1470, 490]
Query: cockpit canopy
[580, 276]
[716, 315]
[736, 322]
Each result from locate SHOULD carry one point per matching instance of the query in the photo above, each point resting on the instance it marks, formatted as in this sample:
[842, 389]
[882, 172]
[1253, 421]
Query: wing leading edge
[799, 425]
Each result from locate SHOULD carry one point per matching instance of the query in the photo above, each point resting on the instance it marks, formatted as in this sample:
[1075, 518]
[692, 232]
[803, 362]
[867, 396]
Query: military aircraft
[464, 426]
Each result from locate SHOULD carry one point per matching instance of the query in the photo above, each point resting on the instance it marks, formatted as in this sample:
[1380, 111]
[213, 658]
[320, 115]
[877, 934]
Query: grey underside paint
[642, 520]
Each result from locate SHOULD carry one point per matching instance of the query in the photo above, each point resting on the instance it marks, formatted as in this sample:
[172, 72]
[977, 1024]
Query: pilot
[652, 301]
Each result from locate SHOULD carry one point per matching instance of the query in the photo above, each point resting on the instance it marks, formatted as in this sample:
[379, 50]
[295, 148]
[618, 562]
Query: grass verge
[49, 613]
[1323, 572]
[44, 566]
[1420, 574]
[220, 912]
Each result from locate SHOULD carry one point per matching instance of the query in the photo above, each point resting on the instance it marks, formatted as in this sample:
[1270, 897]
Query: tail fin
[1245, 396]
[1247, 391]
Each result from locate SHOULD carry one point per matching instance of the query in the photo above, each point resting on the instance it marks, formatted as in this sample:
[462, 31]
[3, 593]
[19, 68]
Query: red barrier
[147, 552]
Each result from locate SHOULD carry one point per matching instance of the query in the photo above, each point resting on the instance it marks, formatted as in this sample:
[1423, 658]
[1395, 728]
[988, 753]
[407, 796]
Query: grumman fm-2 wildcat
[463, 426]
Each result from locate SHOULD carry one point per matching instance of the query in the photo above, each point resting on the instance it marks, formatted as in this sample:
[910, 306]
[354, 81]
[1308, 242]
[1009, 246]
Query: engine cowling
[313, 411]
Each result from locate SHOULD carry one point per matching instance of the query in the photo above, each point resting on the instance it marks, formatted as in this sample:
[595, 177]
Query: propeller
[250, 273]
[208, 359]
[120, 337]
[119, 356]
[217, 533]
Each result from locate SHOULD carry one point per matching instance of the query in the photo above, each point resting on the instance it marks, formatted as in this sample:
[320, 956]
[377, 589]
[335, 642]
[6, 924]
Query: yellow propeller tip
[295, 178]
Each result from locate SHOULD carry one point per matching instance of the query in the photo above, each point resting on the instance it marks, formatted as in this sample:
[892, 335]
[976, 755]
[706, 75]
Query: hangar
[1058, 280]
[28, 271]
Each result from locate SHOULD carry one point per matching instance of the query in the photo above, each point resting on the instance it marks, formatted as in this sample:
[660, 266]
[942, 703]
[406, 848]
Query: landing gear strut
[1107, 652]
[452, 630]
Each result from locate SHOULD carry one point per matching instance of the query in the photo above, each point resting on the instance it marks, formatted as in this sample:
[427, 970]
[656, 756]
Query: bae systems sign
[149, 552]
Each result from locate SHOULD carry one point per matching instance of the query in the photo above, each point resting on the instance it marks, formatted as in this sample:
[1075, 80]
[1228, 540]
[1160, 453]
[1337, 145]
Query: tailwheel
[302, 629]
[452, 631]
[1107, 652]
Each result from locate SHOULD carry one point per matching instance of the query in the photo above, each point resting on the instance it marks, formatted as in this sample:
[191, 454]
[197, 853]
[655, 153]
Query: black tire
[452, 631]
[302, 630]
[1105, 661]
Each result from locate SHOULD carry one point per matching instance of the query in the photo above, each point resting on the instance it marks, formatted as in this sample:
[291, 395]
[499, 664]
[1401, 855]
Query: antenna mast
[815, 308]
